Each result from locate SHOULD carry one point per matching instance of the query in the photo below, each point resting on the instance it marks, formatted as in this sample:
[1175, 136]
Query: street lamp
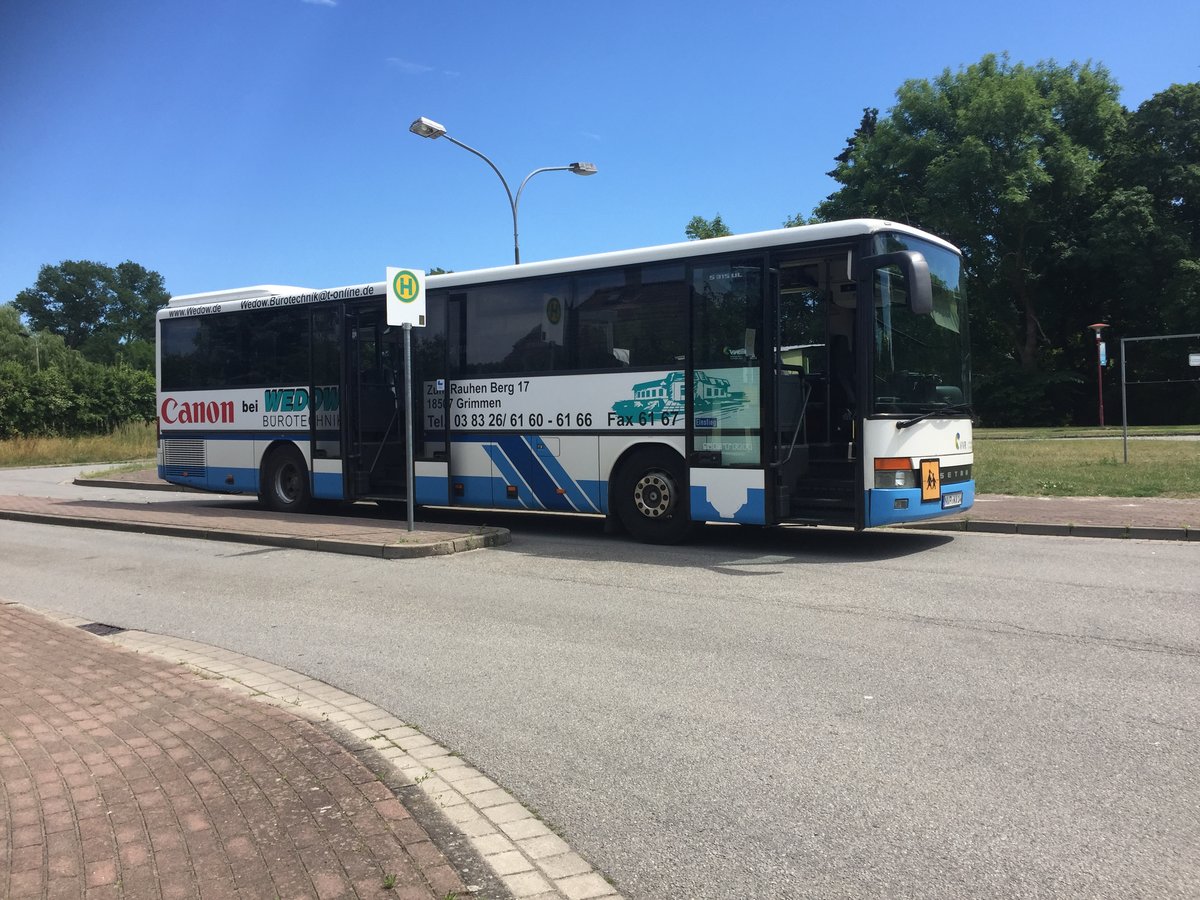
[427, 128]
[1099, 328]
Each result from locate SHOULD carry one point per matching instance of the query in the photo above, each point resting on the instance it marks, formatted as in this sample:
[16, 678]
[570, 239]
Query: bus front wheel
[651, 497]
[285, 482]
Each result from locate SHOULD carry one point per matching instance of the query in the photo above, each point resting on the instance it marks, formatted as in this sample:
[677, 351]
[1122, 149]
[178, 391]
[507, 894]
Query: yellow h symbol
[405, 286]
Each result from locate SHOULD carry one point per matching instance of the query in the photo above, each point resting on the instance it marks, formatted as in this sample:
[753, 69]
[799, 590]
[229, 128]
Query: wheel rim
[287, 483]
[654, 495]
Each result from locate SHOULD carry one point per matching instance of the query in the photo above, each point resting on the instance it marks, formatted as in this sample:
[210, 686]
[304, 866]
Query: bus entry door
[375, 427]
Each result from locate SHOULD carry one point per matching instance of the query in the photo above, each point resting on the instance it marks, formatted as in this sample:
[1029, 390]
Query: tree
[1005, 160]
[700, 228]
[48, 388]
[799, 219]
[105, 313]
[1159, 169]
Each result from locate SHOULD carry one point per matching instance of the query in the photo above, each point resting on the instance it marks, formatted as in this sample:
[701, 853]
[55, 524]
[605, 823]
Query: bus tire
[652, 496]
[285, 485]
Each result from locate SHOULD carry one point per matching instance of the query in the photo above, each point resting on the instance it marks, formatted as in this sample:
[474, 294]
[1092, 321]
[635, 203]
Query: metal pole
[410, 489]
[1100, 378]
[1124, 405]
[512, 203]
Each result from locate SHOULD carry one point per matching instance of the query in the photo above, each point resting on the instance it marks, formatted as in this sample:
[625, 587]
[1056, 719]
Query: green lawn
[1030, 465]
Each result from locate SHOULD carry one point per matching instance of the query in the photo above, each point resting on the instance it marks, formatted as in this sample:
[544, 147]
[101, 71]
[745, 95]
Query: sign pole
[406, 307]
[1124, 407]
[1100, 360]
[408, 422]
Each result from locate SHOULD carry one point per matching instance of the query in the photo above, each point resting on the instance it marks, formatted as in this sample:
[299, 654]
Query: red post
[1098, 328]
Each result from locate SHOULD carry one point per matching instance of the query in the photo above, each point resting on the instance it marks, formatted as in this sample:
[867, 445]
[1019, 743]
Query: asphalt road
[788, 713]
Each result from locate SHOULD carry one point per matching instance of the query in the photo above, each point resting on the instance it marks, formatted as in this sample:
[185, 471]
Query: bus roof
[821, 232]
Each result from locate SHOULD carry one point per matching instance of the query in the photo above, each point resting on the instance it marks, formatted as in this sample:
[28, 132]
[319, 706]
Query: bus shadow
[583, 537]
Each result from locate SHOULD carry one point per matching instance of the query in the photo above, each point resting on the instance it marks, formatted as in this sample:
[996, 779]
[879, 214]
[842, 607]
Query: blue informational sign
[1103, 354]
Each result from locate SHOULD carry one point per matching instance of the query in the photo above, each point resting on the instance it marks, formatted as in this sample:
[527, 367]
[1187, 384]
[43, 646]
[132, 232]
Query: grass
[1091, 431]
[129, 442]
[1086, 468]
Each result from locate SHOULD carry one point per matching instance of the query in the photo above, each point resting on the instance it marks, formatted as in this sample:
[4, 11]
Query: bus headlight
[895, 472]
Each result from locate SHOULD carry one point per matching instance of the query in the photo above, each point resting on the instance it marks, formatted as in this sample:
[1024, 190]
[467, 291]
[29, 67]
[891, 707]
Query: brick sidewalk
[1149, 518]
[122, 776]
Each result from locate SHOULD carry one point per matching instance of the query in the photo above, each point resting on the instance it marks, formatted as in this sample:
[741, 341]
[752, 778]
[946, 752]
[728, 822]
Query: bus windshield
[921, 363]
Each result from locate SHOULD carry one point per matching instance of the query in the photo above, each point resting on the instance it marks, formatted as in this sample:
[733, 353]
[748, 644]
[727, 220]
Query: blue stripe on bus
[325, 485]
[533, 472]
[752, 512]
[509, 475]
[519, 465]
[578, 499]
[477, 490]
[432, 490]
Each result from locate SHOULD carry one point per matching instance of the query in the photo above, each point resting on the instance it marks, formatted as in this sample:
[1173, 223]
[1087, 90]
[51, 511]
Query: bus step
[823, 515]
[388, 498]
[815, 501]
[823, 492]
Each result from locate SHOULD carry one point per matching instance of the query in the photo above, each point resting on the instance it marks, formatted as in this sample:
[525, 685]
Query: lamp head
[1098, 327]
[427, 128]
[583, 168]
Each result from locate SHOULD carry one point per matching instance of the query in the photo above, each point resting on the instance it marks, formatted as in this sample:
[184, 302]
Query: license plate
[951, 500]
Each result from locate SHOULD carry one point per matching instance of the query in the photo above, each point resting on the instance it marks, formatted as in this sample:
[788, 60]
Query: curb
[1128, 532]
[487, 536]
[80, 481]
[529, 859]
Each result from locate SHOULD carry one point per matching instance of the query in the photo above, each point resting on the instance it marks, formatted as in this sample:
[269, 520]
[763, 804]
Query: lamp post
[1099, 329]
[427, 128]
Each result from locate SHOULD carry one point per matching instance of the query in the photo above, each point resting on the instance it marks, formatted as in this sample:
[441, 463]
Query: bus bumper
[891, 506]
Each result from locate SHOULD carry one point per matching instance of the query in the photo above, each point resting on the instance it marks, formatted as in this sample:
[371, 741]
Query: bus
[817, 375]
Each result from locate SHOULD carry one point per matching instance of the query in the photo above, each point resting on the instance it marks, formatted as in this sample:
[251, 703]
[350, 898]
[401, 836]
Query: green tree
[1005, 160]
[700, 228]
[105, 313]
[16, 344]
[1157, 176]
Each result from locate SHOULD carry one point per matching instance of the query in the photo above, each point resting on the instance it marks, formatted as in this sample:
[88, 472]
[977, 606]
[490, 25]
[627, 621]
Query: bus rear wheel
[652, 497]
[285, 482]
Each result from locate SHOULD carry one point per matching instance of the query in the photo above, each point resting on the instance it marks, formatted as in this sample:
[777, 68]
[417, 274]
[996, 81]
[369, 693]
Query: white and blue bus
[816, 375]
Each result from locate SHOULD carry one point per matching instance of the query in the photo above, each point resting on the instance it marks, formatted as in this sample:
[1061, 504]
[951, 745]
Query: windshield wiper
[941, 411]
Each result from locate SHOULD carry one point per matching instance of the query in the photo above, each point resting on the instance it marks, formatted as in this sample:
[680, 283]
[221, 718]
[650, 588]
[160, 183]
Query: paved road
[798, 713]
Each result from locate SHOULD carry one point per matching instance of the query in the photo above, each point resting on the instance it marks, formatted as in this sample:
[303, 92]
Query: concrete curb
[134, 485]
[524, 854]
[1128, 532]
[487, 536]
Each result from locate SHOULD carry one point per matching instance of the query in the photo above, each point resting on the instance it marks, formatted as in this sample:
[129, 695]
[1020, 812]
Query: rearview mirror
[916, 276]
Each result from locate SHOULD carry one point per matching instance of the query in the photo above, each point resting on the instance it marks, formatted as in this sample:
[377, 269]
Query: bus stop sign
[406, 297]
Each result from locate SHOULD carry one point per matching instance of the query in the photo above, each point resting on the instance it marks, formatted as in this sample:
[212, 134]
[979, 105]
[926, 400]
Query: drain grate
[101, 629]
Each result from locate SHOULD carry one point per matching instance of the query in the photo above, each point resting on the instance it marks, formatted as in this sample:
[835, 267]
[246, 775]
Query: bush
[76, 399]
[1013, 397]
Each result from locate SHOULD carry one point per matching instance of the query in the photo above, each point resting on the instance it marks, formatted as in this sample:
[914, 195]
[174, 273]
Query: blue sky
[234, 142]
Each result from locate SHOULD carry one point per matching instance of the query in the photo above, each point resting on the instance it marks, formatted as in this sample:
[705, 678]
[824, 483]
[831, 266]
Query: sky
[228, 143]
